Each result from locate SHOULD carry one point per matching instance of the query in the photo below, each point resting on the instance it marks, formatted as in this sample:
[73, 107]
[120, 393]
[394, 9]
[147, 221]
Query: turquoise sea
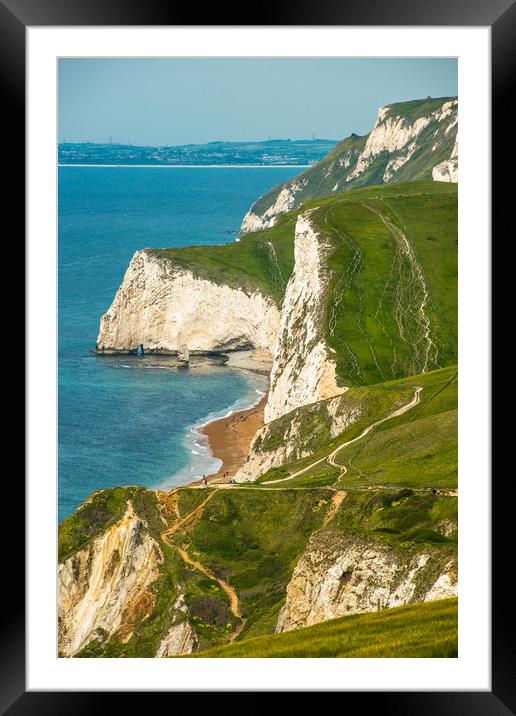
[124, 420]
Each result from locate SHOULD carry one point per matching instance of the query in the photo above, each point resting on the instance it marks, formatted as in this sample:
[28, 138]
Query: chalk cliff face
[340, 575]
[410, 140]
[104, 588]
[164, 306]
[448, 170]
[398, 136]
[180, 639]
[303, 370]
[285, 201]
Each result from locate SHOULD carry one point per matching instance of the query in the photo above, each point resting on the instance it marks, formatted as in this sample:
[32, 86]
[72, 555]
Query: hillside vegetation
[396, 489]
[426, 630]
[417, 449]
[392, 298]
[264, 260]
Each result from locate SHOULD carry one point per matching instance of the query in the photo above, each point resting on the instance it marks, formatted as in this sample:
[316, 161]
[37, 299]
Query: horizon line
[192, 166]
[201, 144]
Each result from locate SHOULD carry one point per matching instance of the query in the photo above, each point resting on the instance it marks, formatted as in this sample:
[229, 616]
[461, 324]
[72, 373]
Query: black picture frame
[15, 17]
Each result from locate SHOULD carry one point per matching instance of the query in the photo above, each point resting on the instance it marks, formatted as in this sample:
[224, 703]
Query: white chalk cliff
[303, 370]
[448, 170]
[104, 588]
[284, 203]
[283, 441]
[340, 575]
[164, 306]
[396, 135]
[180, 638]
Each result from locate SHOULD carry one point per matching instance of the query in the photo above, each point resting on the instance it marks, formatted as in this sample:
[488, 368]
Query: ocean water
[124, 420]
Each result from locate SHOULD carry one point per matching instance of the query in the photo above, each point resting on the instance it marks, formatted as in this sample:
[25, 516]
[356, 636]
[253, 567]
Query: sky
[160, 102]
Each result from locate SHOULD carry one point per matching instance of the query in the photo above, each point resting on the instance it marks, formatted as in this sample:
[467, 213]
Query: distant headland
[273, 152]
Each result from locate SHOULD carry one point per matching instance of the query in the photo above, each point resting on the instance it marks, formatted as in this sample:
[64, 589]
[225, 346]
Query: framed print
[256, 257]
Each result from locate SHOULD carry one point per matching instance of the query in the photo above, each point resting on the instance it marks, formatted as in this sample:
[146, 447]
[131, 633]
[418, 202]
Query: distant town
[271, 152]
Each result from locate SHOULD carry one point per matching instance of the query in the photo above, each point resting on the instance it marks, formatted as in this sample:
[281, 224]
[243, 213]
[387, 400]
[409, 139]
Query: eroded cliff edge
[303, 370]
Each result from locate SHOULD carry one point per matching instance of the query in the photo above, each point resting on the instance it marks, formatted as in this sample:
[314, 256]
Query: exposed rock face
[103, 588]
[303, 370]
[448, 170]
[164, 307]
[284, 203]
[402, 146]
[180, 639]
[340, 575]
[398, 136]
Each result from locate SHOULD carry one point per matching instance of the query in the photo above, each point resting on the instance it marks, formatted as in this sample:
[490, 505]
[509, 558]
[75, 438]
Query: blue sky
[181, 101]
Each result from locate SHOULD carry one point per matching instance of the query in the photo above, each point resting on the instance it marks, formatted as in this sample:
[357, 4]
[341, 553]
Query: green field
[392, 301]
[426, 630]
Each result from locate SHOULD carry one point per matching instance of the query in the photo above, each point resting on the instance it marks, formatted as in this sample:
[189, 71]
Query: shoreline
[230, 436]
[229, 439]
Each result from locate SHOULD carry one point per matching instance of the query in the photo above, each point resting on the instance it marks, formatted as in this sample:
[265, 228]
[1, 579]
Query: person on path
[205, 480]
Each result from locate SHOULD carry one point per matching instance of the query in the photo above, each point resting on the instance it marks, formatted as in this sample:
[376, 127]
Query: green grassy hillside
[417, 449]
[391, 307]
[252, 538]
[426, 630]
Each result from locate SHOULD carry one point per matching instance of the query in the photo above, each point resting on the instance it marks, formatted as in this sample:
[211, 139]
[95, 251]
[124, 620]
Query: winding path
[420, 318]
[330, 459]
[234, 603]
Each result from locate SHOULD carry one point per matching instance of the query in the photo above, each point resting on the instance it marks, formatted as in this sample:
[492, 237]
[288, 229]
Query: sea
[125, 420]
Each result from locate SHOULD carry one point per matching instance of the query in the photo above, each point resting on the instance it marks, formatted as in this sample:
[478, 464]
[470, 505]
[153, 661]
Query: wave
[202, 462]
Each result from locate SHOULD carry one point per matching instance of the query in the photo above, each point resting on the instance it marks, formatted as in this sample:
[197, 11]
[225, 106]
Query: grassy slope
[319, 176]
[417, 449]
[426, 630]
[253, 538]
[372, 316]
[263, 260]
[325, 174]
[97, 514]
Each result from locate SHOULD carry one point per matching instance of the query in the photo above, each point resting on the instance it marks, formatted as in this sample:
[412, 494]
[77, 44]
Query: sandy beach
[230, 437]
